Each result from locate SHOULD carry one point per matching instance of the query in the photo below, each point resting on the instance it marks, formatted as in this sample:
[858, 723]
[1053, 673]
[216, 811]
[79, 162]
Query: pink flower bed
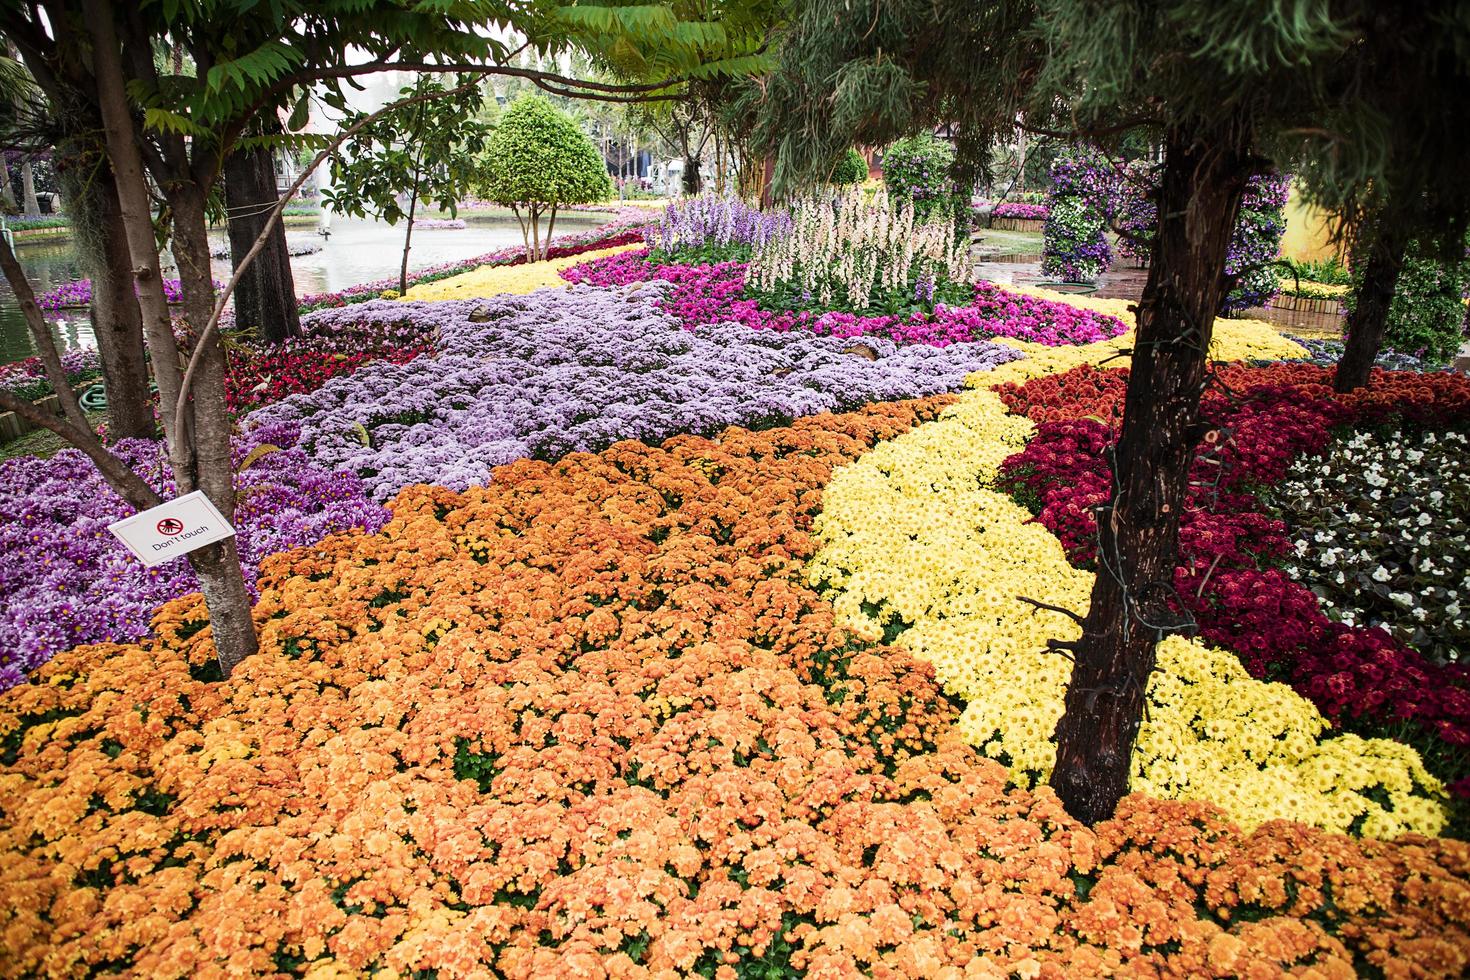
[713, 293]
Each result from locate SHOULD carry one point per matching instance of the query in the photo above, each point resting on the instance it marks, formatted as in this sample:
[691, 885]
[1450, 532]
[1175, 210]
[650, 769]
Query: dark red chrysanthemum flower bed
[1231, 548]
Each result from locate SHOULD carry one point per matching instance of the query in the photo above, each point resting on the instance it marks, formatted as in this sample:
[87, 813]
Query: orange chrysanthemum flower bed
[591, 721]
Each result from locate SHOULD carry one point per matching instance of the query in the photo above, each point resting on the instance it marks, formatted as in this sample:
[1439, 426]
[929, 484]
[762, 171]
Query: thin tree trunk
[1132, 605]
[217, 565]
[28, 189]
[7, 190]
[413, 205]
[535, 233]
[525, 232]
[1368, 321]
[266, 296]
[550, 227]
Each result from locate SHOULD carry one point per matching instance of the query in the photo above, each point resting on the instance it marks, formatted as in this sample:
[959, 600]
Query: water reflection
[356, 251]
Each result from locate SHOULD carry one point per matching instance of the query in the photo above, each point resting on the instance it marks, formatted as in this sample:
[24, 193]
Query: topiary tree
[1075, 245]
[851, 169]
[917, 169]
[537, 161]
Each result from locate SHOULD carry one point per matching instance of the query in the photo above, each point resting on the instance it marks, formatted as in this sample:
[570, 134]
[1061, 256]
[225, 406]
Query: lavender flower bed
[441, 224]
[579, 369]
[711, 222]
[65, 580]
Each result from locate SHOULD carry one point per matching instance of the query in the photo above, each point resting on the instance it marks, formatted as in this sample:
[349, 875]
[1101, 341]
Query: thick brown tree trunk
[265, 299]
[116, 320]
[199, 438]
[1366, 324]
[1131, 607]
[692, 181]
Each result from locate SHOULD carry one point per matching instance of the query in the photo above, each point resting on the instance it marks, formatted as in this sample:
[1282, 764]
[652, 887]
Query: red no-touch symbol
[170, 525]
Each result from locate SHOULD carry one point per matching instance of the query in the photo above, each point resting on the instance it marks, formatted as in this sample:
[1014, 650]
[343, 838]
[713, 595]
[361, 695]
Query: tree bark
[1132, 606]
[7, 190]
[413, 206]
[116, 320]
[266, 296]
[207, 424]
[692, 182]
[1368, 321]
[28, 189]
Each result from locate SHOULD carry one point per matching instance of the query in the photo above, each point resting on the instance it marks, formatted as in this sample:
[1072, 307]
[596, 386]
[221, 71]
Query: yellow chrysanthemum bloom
[913, 535]
[493, 280]
[1233, 340]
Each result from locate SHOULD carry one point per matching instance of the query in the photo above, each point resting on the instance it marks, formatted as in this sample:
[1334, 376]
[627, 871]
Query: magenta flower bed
[79, 294]
[1017, 209]
[700, 294]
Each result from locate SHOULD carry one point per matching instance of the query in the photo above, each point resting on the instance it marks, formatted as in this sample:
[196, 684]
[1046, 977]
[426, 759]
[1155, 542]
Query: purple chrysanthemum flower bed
[700, 294]
[65, 580]
[578, 369]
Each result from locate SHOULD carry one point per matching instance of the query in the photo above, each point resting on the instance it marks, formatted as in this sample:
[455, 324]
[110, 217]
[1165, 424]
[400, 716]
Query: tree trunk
[1368, 321]
[28, 189]
[535, 255]
[221, 578]
[266, 296]
[217, 565]
[413, 206]
[692, 182]
[116, 320]
[7, 190]
[550, 228]
[1131, 607]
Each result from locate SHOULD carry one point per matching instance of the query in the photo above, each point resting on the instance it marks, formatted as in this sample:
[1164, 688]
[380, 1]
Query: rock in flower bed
[575, 370]
[1232, 549]
[710, 293]
[64, 578]
[590, 720]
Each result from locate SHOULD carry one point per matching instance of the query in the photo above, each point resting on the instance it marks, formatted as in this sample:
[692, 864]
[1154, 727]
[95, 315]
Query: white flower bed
[1382, 529]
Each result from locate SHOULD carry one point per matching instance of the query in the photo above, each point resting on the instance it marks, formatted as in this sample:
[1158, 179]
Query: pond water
[356, 251]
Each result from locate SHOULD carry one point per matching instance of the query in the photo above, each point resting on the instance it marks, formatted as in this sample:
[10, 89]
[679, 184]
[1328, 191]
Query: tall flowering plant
[1079, 205]
[710, 228]
[852, 253]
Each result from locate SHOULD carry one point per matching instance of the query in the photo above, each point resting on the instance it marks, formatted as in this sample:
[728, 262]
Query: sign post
[172, 529]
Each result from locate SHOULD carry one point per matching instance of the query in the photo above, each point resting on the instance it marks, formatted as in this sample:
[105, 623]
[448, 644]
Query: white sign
[172, 529]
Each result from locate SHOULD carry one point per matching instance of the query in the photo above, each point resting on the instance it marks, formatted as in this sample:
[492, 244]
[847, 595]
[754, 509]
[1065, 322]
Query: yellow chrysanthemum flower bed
[912, 535]
[492, 280]
[1232, 340]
